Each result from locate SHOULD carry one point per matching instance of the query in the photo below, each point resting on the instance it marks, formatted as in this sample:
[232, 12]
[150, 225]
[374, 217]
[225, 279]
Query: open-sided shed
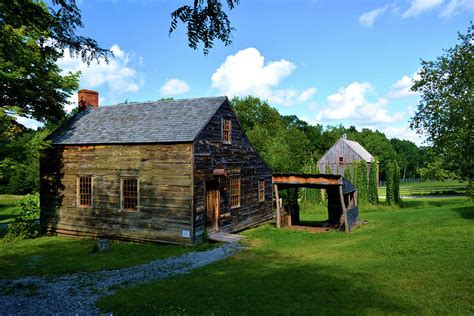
[343, 211]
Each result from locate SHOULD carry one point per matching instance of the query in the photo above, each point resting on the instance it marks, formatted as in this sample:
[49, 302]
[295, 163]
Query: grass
[55, 255]
[416, 259]
[450, 187]
[8, 207]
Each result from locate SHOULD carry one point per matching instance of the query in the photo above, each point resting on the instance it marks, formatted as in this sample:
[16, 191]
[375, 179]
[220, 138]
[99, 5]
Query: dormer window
[226, 131]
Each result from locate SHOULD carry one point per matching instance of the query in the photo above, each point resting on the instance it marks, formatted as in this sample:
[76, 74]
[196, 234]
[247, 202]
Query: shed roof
[361, 151]
[152, 122]
[320, 181]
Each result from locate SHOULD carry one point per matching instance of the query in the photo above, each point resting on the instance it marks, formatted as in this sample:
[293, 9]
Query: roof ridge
[164, 101]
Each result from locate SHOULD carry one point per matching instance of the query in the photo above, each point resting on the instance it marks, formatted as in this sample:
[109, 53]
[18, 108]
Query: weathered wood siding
[239, 158]
[165, 191]
[331, 158]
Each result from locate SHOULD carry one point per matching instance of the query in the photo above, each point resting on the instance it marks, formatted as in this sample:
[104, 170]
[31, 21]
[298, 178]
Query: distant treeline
[289, 144]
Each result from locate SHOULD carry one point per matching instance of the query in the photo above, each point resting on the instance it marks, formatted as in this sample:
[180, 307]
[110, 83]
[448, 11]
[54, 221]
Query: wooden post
[278, 202]
[344, 209]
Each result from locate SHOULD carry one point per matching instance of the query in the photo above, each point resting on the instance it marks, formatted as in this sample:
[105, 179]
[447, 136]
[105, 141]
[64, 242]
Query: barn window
[341, 159]
[129, 194]
[235, 192]
[226, 131]
[261, 190]
[84, 192]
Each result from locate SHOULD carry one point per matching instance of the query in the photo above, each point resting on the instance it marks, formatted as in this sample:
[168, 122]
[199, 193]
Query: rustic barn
[342, 155]
[343, 212]
[162, 171]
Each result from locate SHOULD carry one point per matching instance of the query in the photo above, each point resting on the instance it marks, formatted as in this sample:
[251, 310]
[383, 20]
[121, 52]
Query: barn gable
[342, 153]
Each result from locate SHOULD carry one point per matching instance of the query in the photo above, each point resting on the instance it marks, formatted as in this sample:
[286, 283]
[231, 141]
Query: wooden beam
[277, 198]
[344, 210]
[301, 180]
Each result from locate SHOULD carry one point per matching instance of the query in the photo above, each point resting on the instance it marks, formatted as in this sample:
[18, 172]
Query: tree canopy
[206, 22]
[446, 109]
[33, 37]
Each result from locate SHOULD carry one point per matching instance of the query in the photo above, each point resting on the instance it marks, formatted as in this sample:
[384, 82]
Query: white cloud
[118, 74]
[417, 7]
[350, 103]
[174, 87]
[305, 95]
[246, 73]
[368, 18]
[404, 132]
[402, 88]
[456, 6]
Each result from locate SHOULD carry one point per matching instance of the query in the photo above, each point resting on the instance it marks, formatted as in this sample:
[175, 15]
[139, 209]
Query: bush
[373, 190]
[24, 226]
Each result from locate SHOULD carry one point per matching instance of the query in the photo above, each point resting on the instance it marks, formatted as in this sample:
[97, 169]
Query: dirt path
[76, 293]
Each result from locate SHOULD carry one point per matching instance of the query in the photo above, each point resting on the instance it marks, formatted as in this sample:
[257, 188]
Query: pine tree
[396, 182]
[327, 169]
[355, 177]
[389, 180]
[363, 197]
[373, 185]
[347, 172]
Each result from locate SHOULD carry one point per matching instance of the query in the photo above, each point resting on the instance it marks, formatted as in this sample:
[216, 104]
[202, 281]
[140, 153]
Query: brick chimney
[86, 98]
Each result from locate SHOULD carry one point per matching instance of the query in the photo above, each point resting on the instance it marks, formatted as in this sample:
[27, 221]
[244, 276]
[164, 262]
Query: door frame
[217, 207]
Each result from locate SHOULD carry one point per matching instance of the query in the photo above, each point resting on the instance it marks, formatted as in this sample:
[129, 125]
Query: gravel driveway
[76, 293]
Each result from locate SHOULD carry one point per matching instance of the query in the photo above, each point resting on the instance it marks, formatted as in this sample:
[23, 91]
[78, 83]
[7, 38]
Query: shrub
[389, 177]
[373, 191]
[396, 182]
[24, 226]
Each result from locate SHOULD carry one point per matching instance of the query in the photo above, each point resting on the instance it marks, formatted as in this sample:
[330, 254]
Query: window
[129, 194]
[234, 191]
[341, 159]
[261, 190]
[84, 195]
[226, 131]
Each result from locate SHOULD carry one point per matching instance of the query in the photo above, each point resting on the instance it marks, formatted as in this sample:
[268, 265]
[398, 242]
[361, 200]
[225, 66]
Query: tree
[434, 170]
[407, 155]
[363, 182]
[446, 109]
[347, 172]
[206, 21]
[373, 185]
[389, 197]
[396, 182]
[33, 37]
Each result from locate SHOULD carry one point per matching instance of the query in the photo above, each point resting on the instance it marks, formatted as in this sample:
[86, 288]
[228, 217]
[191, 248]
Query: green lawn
[451, 187]
[53, 255]
[418, 259]
[8, 207]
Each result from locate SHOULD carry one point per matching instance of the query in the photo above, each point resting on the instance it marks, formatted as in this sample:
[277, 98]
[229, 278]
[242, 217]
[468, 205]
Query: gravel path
[73, 294]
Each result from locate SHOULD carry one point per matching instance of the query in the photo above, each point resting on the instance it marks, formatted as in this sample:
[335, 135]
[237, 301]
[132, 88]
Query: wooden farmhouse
[342, 155]
[163, 171]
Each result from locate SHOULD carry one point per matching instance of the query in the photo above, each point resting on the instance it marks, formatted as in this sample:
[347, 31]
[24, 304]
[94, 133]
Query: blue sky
[329, 62]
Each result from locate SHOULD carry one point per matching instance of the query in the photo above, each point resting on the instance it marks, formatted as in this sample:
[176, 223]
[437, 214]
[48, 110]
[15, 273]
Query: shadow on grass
[274, 285]
[311, 223]
[466, 212]
[9, 217]
[423, 203]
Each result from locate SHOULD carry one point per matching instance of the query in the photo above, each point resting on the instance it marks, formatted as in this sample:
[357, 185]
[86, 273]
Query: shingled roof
[152, 122]
[358, 149]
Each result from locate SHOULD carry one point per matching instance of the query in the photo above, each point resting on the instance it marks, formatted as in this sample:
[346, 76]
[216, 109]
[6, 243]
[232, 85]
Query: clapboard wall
[165, 184]
[238, 158]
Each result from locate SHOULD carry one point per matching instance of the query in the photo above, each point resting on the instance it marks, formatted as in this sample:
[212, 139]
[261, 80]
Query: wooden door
[213, 202]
